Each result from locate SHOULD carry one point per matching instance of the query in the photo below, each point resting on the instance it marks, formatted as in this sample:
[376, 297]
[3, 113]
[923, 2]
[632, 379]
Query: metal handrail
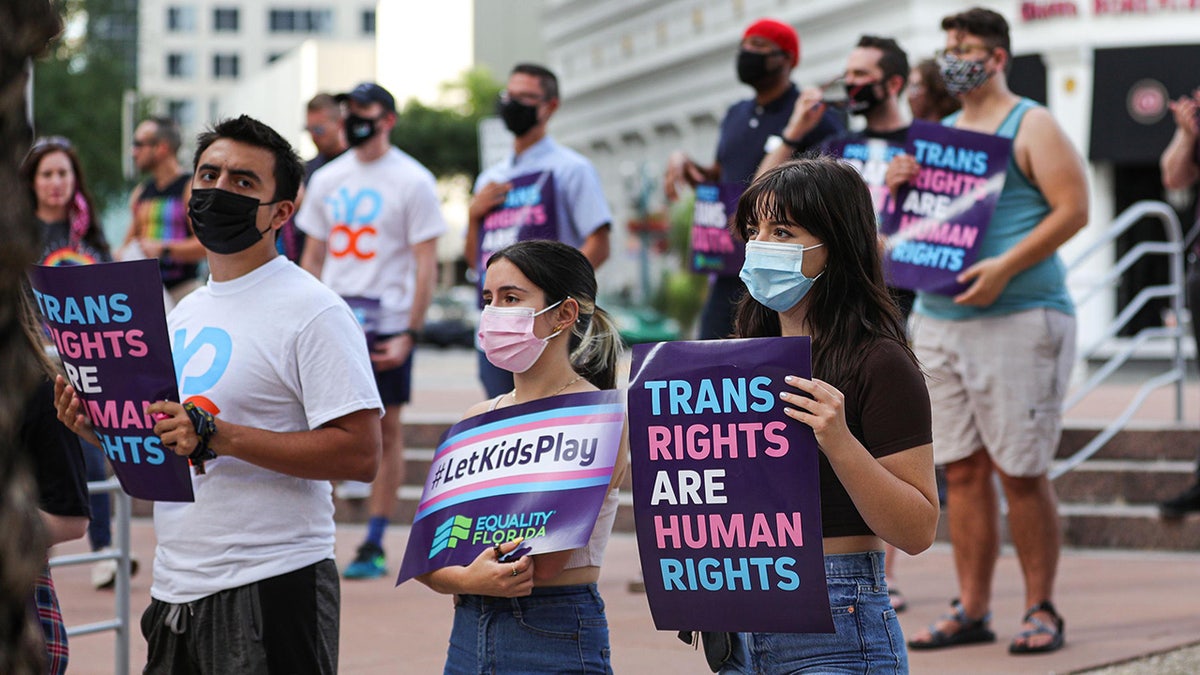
[120, 624]
[1173, 248]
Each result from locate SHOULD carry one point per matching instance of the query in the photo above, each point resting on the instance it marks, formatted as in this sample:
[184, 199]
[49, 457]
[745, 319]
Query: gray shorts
[285, 624]
[997, 383]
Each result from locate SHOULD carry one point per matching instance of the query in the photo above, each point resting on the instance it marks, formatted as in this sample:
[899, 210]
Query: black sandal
[1039, 628]
[970, 631]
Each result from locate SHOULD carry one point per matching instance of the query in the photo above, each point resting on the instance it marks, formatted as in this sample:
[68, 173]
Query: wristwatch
[412, 333]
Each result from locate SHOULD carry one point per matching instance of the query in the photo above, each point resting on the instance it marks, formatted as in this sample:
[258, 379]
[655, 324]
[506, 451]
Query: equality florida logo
[489, 530]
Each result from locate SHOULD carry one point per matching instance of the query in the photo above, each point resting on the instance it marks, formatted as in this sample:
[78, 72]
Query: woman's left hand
[825, 411]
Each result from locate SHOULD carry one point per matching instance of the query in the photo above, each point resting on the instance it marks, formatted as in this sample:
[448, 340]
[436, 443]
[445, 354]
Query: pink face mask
[507, 338]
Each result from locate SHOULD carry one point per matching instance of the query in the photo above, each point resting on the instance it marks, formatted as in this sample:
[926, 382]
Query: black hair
[983, 23]
[546, 78]
[166, 130]
[561, 271]
[849, 306]
[289, 172]
[893, 61]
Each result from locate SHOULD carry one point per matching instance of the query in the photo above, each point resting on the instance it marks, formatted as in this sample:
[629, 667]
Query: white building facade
[192, 52]
[641, 79]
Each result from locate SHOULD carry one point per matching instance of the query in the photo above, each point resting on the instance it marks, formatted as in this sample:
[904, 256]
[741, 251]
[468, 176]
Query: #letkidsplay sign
[726, 487]
[940, 216]
[109, 326]
[539, 470]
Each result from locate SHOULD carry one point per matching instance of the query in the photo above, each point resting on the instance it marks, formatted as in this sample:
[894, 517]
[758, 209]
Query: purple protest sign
[726, 488]
[714, 248]
[366, 310]
[539, 470]
[871, 157]
[937, 227]
[528, 212]
[109, 325]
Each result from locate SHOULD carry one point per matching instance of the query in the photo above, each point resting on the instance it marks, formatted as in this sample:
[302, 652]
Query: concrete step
[1140, 440]
[1124, 481]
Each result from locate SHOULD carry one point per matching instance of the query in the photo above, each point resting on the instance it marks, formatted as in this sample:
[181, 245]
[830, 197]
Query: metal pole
[121, 653]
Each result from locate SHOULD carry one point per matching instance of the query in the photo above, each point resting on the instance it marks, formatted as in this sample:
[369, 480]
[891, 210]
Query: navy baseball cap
[367, 93]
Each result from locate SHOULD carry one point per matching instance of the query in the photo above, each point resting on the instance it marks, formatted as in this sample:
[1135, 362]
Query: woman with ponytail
[541, 613]
[71, 232]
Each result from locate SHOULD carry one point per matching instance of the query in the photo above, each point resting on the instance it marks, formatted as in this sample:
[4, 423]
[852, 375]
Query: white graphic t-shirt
[370, 215]
[275, 350]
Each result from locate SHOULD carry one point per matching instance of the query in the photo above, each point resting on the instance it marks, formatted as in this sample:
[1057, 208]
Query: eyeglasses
[961, 50]
[143, 144]
[52, 141]
[527, 99]
[316, 129]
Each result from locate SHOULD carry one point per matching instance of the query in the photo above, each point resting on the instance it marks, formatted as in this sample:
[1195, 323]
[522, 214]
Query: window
[225, 66]
[301, 21]
[181, 65]
[182, 111]
[368, 22]
[225, 19]
[181, 19]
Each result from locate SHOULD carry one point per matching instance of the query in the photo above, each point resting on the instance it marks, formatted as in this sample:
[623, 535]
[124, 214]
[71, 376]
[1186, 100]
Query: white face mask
[507, 338]
[772, 273]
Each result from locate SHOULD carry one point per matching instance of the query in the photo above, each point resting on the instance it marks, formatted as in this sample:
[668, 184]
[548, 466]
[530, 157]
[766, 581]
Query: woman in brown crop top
[542, 612]
[813, 268]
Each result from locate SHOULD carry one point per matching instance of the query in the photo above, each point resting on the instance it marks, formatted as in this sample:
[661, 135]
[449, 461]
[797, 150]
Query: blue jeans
[867, 638]
[557, 629]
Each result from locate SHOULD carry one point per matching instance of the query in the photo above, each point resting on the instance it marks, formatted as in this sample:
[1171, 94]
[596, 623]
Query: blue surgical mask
[772, 274]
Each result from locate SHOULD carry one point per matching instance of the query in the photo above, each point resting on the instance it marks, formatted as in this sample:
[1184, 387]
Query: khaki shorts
[997, 383]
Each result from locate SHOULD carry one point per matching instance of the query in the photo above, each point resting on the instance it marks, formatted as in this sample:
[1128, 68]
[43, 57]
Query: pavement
[1119, 606]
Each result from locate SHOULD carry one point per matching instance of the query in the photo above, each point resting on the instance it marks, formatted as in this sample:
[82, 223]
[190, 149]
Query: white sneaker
[352, 489]
[104, 572]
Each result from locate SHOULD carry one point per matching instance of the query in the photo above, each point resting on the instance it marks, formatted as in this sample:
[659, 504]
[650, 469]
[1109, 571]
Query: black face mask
[863, 98]
[518, 117]
[752, 66]
[225, 222]
[359, 130]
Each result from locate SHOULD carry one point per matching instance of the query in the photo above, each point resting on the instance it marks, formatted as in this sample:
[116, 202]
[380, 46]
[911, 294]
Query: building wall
[194, 96]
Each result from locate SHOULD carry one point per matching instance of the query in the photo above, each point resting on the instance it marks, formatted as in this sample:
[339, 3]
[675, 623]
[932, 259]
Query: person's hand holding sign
[823, 410]
[70, 411]
[491, 573]
[488, 198]
[901, 170]
[174, 427]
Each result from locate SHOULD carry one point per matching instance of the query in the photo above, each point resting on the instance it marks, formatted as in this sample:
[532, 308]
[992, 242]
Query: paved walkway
[1117, 605]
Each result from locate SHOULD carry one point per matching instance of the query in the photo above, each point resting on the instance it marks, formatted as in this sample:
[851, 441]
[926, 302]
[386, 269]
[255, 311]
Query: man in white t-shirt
[278, 401]
[372, 218]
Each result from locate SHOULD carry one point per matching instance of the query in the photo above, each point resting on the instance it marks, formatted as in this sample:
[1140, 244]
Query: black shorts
[395, 384]
[285, 624]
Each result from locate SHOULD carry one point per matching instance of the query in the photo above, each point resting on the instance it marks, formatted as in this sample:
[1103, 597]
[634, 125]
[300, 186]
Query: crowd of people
[300, 261]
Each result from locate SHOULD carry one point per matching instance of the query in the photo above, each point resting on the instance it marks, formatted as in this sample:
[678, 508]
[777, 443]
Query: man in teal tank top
[998, 356]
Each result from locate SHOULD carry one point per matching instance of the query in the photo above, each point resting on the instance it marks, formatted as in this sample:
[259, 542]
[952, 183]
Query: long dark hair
[561, 271]
[849, 307]
[82, 208]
